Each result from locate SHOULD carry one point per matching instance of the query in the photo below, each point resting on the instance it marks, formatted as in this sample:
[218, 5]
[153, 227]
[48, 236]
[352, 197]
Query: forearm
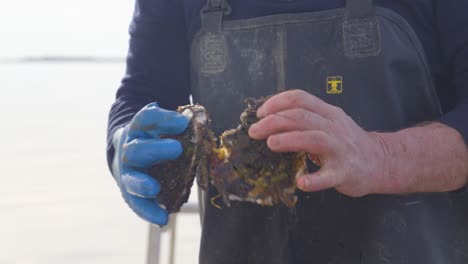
[157, 64]
[429, 158]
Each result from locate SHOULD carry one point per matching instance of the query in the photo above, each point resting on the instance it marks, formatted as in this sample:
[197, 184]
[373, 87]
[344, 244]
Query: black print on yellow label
[335, 85]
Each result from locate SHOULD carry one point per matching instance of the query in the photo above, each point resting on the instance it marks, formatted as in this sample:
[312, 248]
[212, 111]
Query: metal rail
[155, 232]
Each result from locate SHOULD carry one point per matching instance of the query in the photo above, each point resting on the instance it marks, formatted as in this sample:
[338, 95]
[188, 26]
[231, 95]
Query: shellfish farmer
[377, 89]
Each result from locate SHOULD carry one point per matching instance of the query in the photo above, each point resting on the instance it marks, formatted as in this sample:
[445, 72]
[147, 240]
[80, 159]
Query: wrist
[428, 158]
[389, 176]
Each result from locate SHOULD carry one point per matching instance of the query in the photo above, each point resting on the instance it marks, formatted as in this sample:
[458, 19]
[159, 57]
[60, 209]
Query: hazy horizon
[64, 28]
[59, 202]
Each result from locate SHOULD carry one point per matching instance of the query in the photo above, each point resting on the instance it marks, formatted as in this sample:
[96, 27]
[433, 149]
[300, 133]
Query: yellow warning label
[335, 85]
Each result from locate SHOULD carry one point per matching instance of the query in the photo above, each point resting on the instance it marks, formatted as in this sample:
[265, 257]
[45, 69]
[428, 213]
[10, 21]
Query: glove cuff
[118, 138]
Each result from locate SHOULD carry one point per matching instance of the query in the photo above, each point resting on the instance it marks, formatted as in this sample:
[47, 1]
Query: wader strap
[359, 8]
[212, 14]
[361, 30]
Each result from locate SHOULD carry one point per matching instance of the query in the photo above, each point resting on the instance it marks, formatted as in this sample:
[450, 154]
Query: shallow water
[58, 202]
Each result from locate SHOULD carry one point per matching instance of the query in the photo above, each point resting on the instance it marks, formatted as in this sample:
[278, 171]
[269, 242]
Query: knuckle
[134, 124]
[303, 115]
[150, 106]
[145, 108]
[271, 120]
[338, 111]
[297, 115]
[298, 93]
[171, 116]
[295, 97]
[267, 123]
[130, 146]
[140, 115]
[334, 181]
[129, 149]
[356, 193]
[327, 125]
[278, 122]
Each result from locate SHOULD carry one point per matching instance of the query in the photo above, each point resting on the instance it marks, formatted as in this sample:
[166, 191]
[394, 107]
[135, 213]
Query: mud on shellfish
[241, 169]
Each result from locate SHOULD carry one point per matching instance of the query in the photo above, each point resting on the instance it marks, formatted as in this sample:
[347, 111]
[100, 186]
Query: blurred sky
[58, 200]
[58, 27]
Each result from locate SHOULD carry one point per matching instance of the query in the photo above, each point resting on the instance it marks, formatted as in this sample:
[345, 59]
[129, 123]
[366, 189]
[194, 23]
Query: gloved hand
[137, 147]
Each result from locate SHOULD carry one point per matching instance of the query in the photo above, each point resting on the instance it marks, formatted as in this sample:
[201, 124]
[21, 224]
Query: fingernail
[274, 142]
[303, 182]
[260, 112]
[253, 129]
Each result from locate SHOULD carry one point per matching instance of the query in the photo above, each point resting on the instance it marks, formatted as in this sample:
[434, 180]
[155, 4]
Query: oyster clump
[247, 170]
[241, 169]
[176, 177]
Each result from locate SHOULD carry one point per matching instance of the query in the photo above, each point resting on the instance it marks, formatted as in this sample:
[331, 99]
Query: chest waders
[364, 59]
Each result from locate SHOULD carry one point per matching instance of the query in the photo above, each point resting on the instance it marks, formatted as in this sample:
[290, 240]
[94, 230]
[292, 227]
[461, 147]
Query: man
[377, 89]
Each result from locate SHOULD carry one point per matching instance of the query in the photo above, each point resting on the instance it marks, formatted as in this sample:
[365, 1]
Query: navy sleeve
[453, 37]
[157, 63]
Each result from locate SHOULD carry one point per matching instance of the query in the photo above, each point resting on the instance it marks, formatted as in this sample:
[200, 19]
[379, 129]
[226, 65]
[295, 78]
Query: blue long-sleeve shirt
[161, 32]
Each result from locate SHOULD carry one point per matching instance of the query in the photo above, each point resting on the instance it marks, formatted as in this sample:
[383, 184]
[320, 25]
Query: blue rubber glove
[137, 147]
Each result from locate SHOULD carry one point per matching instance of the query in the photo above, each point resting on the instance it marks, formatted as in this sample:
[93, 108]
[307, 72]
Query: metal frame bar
[155, 232]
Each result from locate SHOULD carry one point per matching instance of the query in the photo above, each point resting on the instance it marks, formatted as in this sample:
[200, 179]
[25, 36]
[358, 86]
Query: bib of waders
[366, 60]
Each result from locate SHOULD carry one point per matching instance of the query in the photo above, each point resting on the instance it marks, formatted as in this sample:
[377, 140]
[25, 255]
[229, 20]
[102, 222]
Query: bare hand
[353, 160]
